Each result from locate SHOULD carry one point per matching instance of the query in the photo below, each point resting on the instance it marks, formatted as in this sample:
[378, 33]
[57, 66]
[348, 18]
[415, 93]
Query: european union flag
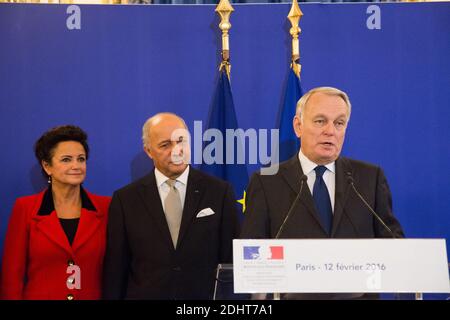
[289, 143]
[223, 117]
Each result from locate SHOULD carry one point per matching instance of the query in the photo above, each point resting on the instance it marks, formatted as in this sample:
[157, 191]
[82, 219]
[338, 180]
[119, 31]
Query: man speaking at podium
[317, 193]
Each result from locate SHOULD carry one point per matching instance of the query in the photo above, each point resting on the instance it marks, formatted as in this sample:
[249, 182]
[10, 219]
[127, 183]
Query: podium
[334, 266]
[224, 285]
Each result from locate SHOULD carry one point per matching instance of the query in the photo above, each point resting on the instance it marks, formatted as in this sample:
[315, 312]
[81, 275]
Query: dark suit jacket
[140, 261]
[37, 251]
[269, 198]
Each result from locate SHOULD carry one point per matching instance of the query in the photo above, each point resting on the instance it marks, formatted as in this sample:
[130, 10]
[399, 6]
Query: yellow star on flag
[242, 201]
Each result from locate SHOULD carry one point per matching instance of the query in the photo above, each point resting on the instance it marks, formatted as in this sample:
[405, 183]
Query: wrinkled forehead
[323, 103]
[168, 130]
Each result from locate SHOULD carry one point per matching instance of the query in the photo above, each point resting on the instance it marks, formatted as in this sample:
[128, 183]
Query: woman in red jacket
[55, 240]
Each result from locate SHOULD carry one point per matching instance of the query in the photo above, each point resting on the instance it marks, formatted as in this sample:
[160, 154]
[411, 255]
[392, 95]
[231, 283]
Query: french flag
[277, 253]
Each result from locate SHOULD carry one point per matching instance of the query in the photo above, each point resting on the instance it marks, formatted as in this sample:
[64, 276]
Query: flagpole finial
[294, 16]
[224, 9]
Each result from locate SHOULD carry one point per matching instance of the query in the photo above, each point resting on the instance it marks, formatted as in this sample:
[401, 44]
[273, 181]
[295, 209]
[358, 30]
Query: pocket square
[205, 212]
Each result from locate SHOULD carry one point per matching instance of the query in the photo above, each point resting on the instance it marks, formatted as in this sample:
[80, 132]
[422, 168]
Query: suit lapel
[292, 173]
[50, 226]
[90, 221]
[194, 190]
[341, 191]
[150, 196]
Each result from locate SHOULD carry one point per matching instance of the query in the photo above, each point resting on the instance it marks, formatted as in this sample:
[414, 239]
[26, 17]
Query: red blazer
[37, 251]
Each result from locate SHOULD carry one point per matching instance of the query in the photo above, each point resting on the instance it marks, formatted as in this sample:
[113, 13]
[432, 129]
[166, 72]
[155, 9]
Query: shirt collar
[48, 206]
[308, 166]
[161, 178]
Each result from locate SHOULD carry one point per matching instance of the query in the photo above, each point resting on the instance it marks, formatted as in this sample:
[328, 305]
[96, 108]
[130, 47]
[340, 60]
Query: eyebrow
[321, 115]
[180, 138]
[164, 141]
[70, 156]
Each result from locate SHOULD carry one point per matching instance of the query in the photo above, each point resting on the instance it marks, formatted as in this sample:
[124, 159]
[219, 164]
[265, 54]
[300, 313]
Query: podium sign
[340, 265]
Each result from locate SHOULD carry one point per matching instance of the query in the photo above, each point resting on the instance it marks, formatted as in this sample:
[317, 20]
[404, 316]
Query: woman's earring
[49, 181]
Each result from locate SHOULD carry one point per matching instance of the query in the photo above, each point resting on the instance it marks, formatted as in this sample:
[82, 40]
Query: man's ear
[148, 152]
[298, 126]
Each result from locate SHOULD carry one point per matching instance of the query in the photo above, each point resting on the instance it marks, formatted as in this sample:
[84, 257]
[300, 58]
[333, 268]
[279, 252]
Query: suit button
[176, 269]
[70, 262]
[70, 296]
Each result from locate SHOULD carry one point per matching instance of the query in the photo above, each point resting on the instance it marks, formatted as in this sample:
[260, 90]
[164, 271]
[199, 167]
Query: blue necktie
[322, 198]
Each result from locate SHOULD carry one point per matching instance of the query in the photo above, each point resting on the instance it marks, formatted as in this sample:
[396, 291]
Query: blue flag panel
[289, 143]
[223, 117]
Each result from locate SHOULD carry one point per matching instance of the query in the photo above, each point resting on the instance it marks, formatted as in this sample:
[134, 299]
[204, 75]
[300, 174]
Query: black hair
[45, 146]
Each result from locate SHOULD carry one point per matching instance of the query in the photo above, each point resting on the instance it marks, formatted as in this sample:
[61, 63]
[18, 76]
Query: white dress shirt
[329, 176]
[163, 188]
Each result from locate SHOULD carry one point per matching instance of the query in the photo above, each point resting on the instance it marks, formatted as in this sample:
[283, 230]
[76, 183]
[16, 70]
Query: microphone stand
[276, 295]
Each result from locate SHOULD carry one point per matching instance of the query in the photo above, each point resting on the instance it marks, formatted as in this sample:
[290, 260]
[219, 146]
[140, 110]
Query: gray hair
[149, 123]
[301, 104]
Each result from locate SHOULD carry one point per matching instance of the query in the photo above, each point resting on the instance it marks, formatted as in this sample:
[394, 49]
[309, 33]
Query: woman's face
[68, 164]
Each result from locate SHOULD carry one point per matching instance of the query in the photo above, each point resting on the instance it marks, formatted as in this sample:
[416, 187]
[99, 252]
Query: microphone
[352, 183]
[303, 179]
